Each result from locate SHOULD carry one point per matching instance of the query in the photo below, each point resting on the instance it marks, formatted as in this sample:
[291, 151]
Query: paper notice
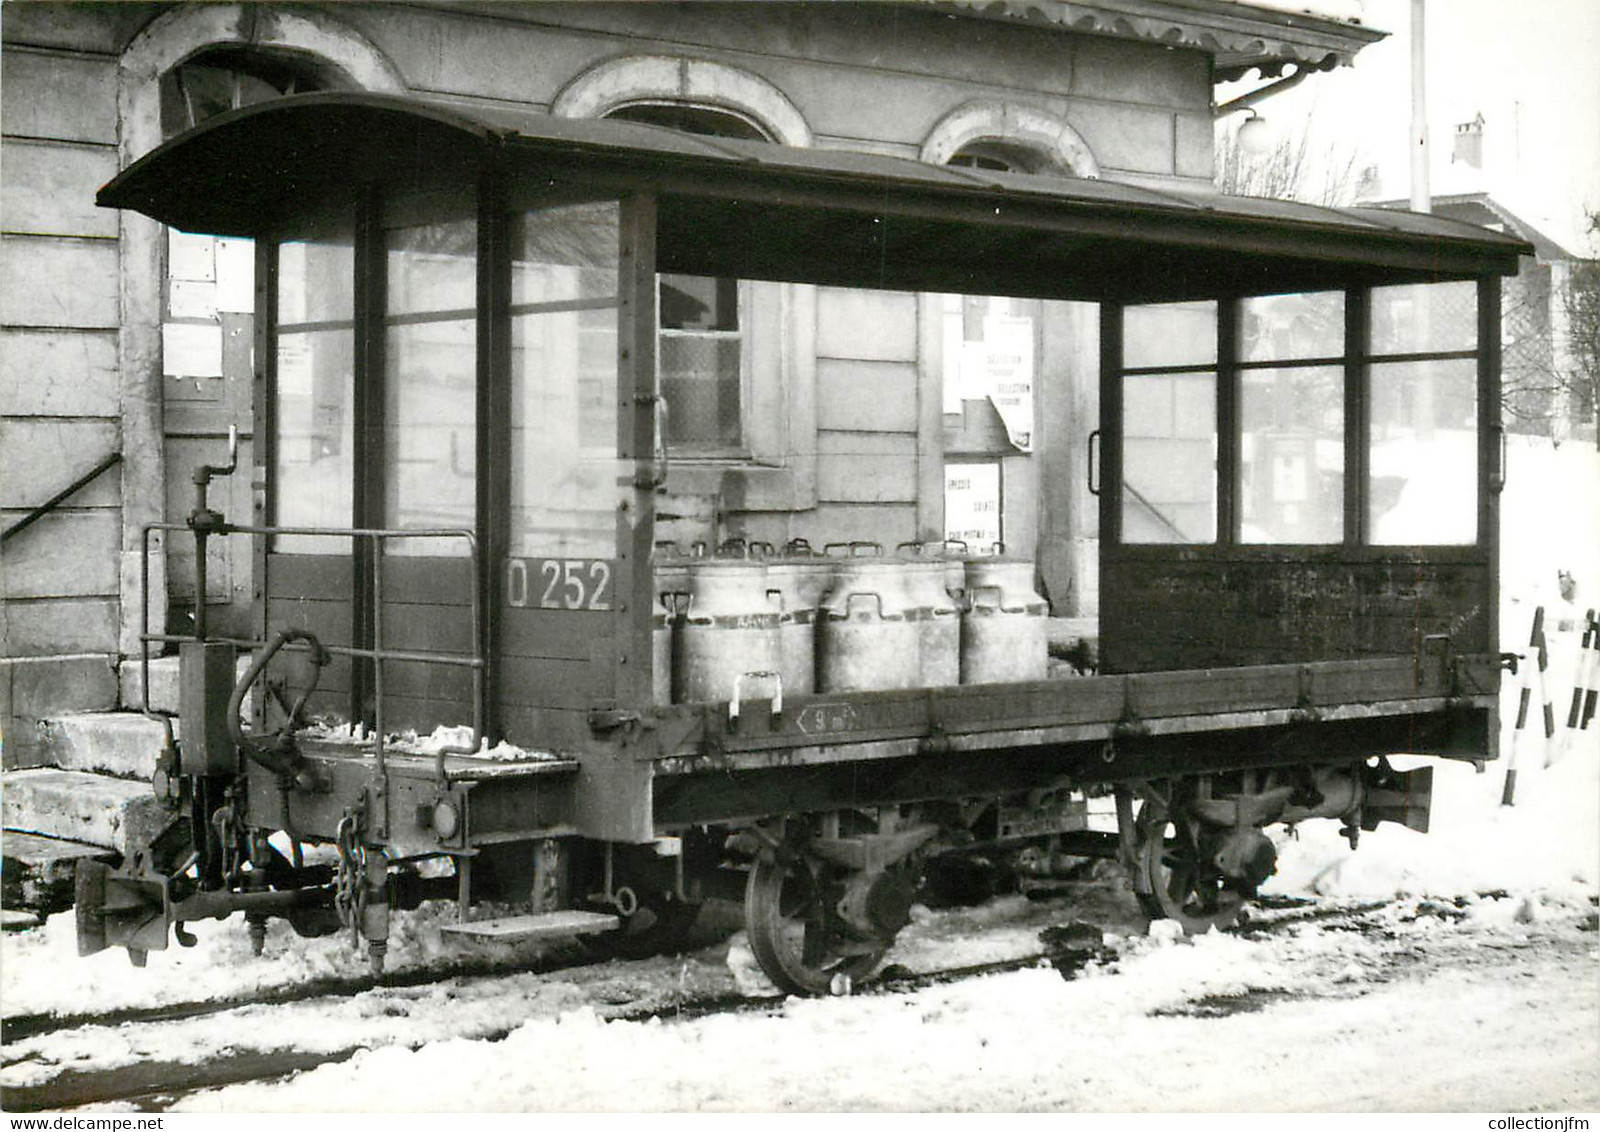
[191, 257]
[236, 275]
[972, 504]
[190, 349]
[1007, 366]
[192, 298]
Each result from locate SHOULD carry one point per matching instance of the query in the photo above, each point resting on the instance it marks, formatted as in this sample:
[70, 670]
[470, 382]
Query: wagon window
[313, 451]
[430, 365]
[1424, 461]
[1169, 447]
[1422, 484]
[564, 472]
[1291, 419]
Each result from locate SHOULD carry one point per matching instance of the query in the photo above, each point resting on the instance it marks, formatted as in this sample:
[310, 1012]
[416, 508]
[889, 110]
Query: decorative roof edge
[1240, 36]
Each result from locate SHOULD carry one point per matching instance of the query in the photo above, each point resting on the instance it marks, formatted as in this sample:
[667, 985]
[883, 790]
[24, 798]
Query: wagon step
[541, 925]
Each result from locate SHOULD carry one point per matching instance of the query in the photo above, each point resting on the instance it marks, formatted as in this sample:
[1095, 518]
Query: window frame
[743, 449]
[1358, 361]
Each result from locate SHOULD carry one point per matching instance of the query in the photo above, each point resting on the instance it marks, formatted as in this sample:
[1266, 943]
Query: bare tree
[1580, 300]
[1550, 319]
[1294, 168]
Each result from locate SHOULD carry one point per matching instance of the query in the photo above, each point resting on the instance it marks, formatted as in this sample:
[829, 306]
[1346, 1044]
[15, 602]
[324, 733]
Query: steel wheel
[1175, 878]
[781, 907]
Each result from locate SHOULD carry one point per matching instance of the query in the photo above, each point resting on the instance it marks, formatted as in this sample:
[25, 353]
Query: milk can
[867, 635]
[953, 553]
[815, 573]
[1003, 628]
[938, 623]
[669, 568]
[660, 653]
[731, 628]
[796, 583]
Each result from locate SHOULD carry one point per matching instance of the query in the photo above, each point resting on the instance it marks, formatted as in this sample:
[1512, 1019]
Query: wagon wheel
[791, 934]
[1174, 876]
[658, 926]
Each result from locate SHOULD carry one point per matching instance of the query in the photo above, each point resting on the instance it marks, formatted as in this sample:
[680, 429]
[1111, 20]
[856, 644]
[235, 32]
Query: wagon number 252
[558, 583]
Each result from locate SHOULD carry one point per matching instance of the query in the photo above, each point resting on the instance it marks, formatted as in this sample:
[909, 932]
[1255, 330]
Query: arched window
[701, 354]
[1004, 157]
[229, 76]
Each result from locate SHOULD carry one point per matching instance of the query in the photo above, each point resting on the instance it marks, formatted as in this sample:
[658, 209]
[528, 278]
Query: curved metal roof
[757, 210]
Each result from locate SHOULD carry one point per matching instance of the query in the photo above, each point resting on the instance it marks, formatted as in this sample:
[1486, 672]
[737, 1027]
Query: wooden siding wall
[1204, 611]
[60, 398]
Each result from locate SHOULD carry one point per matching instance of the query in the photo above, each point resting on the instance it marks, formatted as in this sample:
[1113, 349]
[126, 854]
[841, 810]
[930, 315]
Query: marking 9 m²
[558, 583]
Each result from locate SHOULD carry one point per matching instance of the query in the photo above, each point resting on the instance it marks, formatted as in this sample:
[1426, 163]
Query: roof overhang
[1240, 37]
[760, 211]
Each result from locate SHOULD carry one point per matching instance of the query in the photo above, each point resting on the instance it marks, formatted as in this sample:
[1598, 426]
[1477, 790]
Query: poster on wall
[972, 504]
[1005, 360]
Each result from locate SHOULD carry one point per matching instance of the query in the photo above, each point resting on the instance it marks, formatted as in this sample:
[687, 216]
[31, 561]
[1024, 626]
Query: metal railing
[377, 654]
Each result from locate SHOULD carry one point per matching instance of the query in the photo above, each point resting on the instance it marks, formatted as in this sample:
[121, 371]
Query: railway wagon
[461, 487]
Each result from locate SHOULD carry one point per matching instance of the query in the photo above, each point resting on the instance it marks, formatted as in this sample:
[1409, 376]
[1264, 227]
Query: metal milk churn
[797, 582]
[938, 622]
[730, 629]
[953, 553]
[660, 652]
[669, 568]
[867, 632]
[1003, 628]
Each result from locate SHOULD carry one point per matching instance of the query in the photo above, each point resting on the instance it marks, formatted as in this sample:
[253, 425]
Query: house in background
[1542, 394]
[795, 411]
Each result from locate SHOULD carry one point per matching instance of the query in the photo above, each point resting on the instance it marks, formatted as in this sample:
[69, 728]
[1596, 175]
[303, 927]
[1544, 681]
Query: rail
[377, 654]
[61, 497]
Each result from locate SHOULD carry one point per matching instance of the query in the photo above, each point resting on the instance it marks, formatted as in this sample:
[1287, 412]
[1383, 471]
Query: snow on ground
[1116, 1039]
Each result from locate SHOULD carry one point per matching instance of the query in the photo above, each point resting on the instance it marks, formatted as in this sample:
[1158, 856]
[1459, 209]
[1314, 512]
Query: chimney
[1469, 143]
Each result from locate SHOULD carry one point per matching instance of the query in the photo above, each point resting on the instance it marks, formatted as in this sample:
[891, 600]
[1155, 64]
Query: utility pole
[1421, 199]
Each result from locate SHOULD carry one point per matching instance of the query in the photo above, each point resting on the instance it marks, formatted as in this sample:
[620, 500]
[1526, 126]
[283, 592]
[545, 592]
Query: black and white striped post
[1589, 671]
[1580, 674]
[1537, 653]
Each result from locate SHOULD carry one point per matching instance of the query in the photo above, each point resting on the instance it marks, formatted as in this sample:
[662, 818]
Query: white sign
[1007, 374]
[236, 275]
[191, 349]
[191, 257]
[972, 504]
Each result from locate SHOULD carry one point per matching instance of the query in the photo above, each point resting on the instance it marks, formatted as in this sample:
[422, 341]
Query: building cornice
[1240, 37]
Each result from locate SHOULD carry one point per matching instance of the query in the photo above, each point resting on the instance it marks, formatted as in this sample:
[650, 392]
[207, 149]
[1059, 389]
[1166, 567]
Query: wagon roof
[756, 210]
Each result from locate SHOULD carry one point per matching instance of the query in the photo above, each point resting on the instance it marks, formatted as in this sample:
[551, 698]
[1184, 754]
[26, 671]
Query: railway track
[154, 1083]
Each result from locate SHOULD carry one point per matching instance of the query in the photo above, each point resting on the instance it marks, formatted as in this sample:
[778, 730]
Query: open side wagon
[458, 468]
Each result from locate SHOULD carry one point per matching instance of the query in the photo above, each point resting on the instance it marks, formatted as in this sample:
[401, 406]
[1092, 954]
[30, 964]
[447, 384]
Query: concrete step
[164, 683]
[94, 809]
[37, 688]
[37, 873]
[540, 925]
[111, 742]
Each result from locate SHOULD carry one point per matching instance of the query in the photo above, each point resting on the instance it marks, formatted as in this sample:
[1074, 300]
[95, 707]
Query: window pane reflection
[1424, 463]
[564, 470]
[1424, 318]
[313, 463]
[1169, 483]
[430, 379]
[1291, 455]
[1277, 328]
[1169, 334]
